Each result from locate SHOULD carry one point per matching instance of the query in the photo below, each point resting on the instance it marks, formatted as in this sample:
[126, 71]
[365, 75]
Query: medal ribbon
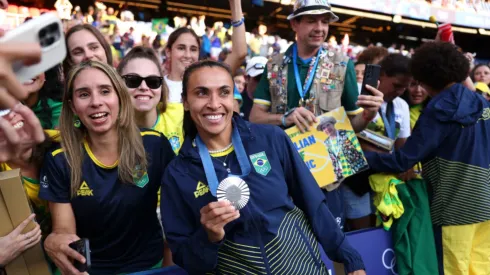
[303, 89]
[208, 163]
[389, 120]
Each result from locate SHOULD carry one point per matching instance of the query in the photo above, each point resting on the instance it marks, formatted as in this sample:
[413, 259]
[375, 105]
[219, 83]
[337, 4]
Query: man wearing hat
[343, 148]
[253, 73]
[308, 80]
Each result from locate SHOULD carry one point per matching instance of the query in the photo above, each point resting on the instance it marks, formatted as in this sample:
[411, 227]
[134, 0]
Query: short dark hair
[68, 63]
[189, 126]
[149, 54]
[438, 64]
[369, 55]
[395, 64]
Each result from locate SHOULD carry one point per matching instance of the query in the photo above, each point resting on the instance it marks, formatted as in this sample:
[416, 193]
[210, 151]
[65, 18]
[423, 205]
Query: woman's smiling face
[210, 100]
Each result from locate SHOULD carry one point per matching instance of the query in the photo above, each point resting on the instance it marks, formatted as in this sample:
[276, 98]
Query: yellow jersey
[170, 124]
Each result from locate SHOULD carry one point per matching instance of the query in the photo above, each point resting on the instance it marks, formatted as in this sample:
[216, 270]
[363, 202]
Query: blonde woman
[102, 182]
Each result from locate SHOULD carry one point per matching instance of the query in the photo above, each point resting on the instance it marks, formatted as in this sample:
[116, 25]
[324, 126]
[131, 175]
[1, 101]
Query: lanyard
[303, 89]
[389, 120]
[208, 164]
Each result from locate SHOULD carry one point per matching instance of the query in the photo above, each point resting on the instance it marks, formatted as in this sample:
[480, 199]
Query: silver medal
[234, 190]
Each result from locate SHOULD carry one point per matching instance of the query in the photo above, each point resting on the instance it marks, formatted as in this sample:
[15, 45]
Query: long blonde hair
[132, 155]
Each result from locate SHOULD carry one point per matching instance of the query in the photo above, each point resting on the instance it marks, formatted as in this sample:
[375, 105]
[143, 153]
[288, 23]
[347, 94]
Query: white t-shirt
[402, 116]
[174, 90]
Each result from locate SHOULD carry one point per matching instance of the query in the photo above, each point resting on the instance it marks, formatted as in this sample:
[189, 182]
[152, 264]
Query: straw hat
[312, 7]
[324, 121]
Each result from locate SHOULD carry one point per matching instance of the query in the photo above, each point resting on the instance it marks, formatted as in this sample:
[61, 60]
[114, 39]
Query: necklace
[224, 163]
[212, 152]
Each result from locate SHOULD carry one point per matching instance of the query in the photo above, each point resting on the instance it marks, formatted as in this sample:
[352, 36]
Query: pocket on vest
[329, 99]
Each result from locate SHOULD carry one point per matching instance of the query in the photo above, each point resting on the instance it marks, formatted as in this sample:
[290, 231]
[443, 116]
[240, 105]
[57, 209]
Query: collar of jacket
[457, 104]
[189, 149]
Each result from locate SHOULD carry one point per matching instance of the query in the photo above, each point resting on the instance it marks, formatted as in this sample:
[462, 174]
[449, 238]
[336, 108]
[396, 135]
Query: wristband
[283, 121]
[238, 23]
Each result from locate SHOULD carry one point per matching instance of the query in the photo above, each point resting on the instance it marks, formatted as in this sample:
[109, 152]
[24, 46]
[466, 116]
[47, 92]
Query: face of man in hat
[311, 30]
[329, 128]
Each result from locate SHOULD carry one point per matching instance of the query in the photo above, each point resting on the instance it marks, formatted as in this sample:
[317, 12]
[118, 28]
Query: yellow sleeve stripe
[55, 152]
[355, 112]
[262, 102]
[151, 133]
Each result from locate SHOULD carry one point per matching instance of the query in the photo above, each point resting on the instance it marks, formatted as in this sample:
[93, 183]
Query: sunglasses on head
[134, 81]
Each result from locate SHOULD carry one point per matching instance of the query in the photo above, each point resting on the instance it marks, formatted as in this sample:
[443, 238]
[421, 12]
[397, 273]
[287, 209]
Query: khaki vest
[326, 90]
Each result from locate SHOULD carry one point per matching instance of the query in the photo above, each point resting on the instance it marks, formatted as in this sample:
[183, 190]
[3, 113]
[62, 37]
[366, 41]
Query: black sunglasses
[134, 81]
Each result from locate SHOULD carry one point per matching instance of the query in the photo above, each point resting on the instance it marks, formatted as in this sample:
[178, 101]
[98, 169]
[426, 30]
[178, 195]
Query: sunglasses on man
[134, 81]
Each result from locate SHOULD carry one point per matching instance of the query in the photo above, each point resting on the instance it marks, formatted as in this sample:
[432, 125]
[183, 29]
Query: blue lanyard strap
[208, 163]
[389, 120]
[303, 89]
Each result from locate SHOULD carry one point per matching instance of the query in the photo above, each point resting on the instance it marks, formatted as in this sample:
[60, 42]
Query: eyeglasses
[134, 81]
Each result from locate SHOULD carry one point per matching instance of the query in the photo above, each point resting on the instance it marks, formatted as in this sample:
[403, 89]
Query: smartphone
[47, 30]
[371, 78]
[82, 246]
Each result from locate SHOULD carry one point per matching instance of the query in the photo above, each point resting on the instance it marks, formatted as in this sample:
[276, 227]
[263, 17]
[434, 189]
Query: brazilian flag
[158, 24]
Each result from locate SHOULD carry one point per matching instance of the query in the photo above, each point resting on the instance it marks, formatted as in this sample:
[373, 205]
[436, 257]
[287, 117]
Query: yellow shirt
[415, 112]
[170, 123]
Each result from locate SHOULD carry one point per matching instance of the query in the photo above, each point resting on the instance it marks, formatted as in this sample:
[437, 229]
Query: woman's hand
[370, 103]
[15, 142]
[58, 249]
[409, 175]
[11, 90]
[215, 216]
[12, 245]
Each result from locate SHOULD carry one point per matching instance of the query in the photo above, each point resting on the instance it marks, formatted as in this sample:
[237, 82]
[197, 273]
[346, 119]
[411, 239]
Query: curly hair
[438, 64]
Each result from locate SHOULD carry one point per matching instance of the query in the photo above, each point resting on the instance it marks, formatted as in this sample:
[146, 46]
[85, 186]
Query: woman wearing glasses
[143, 76]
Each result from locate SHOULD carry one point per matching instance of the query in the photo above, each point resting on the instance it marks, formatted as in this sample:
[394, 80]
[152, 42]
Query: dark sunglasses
[134, 81]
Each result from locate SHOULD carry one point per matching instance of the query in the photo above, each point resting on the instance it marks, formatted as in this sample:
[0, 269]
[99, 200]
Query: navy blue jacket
[278, 230]
[452, 139]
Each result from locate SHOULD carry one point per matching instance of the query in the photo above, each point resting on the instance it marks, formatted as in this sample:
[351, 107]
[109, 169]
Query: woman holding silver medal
[227, 199]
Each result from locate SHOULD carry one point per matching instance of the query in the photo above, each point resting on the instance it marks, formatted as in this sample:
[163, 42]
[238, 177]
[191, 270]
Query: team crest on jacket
[261, 163]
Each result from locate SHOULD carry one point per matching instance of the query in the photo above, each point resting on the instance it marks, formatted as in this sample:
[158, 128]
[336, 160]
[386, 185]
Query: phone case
[43, 29]
[371, 78]
[378, 140]
[82, 246]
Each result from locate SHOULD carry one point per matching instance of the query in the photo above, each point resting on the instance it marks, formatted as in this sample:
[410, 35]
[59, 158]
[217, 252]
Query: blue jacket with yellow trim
[452, 139]
[278, 230]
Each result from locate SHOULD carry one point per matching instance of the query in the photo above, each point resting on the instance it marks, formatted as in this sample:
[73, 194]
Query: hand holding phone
[82, 246]
[45, 30]
[371, 78]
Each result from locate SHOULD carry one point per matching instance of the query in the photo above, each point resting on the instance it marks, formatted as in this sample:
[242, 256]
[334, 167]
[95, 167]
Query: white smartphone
[47, 30]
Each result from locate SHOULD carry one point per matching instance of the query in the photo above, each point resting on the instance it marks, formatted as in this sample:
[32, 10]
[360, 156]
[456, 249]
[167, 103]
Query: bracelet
[238, 23]
[283, 121]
